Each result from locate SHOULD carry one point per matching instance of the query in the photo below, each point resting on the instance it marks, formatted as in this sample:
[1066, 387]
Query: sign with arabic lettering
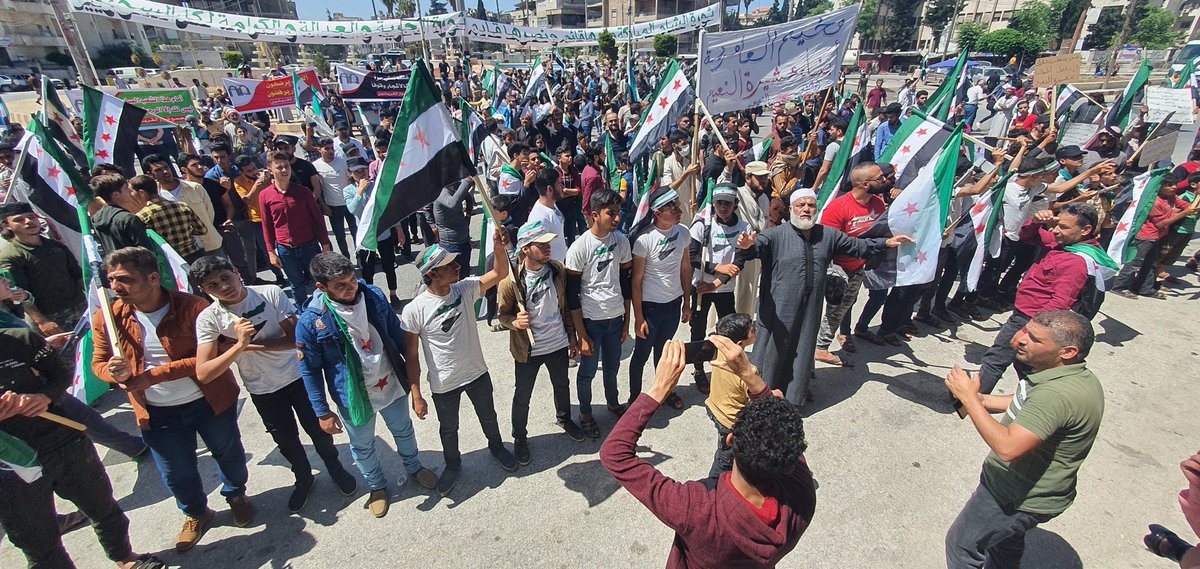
[377, 31]
[168, 107]
[361, 84]
[747, 68]
[252, 95]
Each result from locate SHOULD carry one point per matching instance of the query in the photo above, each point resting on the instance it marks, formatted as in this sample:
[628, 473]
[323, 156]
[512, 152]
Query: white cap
[802, 193]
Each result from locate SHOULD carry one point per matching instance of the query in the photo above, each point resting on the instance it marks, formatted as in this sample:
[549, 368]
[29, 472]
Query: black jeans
[75, 473]
[446, 406]
[1024, 255]
[723, 458]
[897, 308]
[988, 534]
[723, 301]
[386, 257]
[876, 298]
[662, 318]
[339, 216]
[1000, 355]
[1138, 274]
[556, 364]
[279, 412]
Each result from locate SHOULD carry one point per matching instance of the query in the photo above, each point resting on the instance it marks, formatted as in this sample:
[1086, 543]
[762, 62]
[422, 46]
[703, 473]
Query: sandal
[892, 339]
[847, 343]
[870, 337]
[674, 401]
[827, 358]
[589, 427]
[1160, 295]
[147, 561]
[617, 409]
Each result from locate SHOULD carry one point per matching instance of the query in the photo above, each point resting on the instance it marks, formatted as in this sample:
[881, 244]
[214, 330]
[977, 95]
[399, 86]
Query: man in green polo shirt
[1046, 432]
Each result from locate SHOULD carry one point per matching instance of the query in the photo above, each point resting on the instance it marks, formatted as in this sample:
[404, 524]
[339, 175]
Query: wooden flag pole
[109, 322]
[713, 124]
[485, 193]
[1149, 137]
[53, 417]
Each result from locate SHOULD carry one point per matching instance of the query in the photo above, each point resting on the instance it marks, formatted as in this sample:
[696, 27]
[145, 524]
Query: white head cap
[802, 193]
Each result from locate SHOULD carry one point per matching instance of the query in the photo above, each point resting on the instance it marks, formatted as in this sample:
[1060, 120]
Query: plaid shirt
[175, 222]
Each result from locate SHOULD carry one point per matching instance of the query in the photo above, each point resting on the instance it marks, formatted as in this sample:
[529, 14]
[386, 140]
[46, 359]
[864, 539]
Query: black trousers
[527, 373]
[1138, 275]
[279, 412]
[339, 218]
[75, 473]
[724, 303]
[898, 307]
[446, 405]
[385, 257]
[1001, 355]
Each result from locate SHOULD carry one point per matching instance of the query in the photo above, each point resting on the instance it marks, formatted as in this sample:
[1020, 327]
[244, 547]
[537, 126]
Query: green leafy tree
[1103, 34]
[233, 58]
[608, 45]
[405, 8]
[1069, 12]
[775, 15]
[806, 8]
[437, 7]
[969, 34]
[1012, 42]
[1155, 29]
[665, 45]
[321, 63]
[938, 14]
[901, 30]
[868, 25]
[480, 11]
[389, 7]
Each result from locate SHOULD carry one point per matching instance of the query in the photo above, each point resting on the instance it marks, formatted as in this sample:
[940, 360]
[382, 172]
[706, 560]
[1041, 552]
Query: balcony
[571, 5]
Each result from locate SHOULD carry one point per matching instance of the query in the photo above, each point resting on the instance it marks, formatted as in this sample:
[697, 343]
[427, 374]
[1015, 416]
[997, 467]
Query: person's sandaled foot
[674, 401]
[617, 409]
[827, 357]
[589, 426]
[869, 336]
[1126, 293]
[1159, 295]
[847, 343]
[928, 319]
[892, 339]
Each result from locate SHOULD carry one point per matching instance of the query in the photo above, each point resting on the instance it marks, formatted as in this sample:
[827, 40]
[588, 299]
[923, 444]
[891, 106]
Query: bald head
[863, 173]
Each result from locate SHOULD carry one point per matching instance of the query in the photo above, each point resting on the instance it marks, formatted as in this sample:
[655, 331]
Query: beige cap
[757, 168]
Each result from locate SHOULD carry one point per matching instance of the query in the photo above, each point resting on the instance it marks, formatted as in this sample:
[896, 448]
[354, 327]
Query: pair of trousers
[172, 441]
[722, 301]
[232, 246]
[938, 292]
[447, 405]
[723, 457]
[1024, 255]
[385, 256]
[606, 346]
[875, 300]
[998, 357]
[261, 258]
[1138, 275]
[295, 262]
[244, 231]
[573, 223]
[362, 441]
[994, 267]
[526, 374]
[988, 534]
[339, 218]
[280, 411]
[970, 110]
[75, 474]
[898, 308]
[99, 430]
[834, 314]
[662, 319]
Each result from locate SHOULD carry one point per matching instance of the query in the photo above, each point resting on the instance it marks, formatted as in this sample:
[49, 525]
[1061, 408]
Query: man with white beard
[795, 258]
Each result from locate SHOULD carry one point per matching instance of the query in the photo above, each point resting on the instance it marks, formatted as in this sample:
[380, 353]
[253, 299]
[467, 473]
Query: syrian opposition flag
[54, 187]
[56, 117]
[671, 99]
[631, 80]
[472, 133]
[987, 228]
[919, 139]
[759, 151]
[1100, 266]
[110, 129]
[1143, 194]
[538, 82]
[644, 191]
[950, 92]
[1119, 111]
[85, 386]
[1187, 77]
[841, 163]
[918, 212]
[511, 180]
[424, 156]
[1068, 95]
[610, 163]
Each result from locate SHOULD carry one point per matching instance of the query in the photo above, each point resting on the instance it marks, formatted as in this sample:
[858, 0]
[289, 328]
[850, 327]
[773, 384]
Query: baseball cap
[287, 139]
[534, 232]
[1069, 151]
[356, 163]
[340, 125]
[757, 168]
[434, 257]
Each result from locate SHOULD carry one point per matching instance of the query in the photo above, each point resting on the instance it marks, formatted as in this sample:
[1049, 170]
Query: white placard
[1158, 148]
[1163, 100]
[1077, 133]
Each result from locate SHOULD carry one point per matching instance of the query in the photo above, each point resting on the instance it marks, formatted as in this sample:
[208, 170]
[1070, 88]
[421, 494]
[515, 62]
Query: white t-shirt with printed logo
[449, 338]
[663, 252]
[722, 246]
[599, 263]
[266, 306]
[541, 302]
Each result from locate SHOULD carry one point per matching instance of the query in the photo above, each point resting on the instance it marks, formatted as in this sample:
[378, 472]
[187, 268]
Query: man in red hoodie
[749, 517]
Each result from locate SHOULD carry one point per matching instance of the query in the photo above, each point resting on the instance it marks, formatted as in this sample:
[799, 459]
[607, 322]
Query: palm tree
[389, 5]
[405, 8]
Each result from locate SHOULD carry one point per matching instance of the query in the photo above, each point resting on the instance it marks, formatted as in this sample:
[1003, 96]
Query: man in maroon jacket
[749, 517]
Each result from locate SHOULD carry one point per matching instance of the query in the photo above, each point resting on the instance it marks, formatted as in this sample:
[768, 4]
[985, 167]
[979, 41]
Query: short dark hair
[187, 157]
[545, 179]
[503, 202]
[245, 160]
[278, 155]
[328, 266]
[1085, 213]
[207, 265]
[140, 259]
[517, 148]
[735, 326]
[105, 185]
[102, 169]
[153, 159]
[787, 141]
[677, 137]
[145, 183]
[1195, 177]
[220, 147]
[839, 123]
[382, 143]
[768, 442]
[324, 141]
[1068, 328]
[604, 199]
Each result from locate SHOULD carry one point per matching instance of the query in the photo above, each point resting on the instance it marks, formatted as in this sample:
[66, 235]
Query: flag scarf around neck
[1100, 266]
[537, 81]
[920, 138]
[919, 212]
[358, 403]
[840, 165]
[53, 186]
[511, 179]
[1143, 195]
[987, 229]
[1118, 113]
[110, 128]
[672, 97]
[424, 156]
[56, 117]
[944, 98]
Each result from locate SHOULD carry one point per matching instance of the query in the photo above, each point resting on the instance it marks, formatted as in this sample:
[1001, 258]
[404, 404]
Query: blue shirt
[883, 135]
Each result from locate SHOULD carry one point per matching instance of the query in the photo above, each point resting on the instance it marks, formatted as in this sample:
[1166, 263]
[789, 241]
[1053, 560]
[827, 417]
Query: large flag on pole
[1119, 111]
[919, 212]
[840, 164]
[110, 128]
[917, 141]
[424, 156]
[472, 133]
[53, 186]
[671, 99]
[632, 80]
[1187, 76]
[537, 81]
[950, 91]
[1143, 195]
[987, 228]
[56, 117]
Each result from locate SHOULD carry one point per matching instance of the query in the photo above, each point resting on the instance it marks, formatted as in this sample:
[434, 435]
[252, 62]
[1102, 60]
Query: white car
[8, 84]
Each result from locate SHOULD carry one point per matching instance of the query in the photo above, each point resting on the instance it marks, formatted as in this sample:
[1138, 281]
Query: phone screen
[699, 351]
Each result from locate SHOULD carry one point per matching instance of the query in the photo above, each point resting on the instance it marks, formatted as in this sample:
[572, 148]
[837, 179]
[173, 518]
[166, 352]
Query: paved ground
[894, 467]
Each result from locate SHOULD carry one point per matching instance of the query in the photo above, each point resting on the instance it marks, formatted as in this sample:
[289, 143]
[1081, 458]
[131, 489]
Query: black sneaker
[571, 429]
[944, 315]
[521, 450]
[300, 492]
[507, 461]
[346, 483]
[990, 304]
[446, 481]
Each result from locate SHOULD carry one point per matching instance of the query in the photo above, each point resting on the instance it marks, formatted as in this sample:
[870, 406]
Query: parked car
[8, 84]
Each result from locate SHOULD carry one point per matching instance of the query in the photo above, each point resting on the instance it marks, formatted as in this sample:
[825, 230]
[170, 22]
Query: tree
[1103, 34]
[330, 51]
[1037, 21]
[938, 14]
[806, 8]
[969, 34]
[774, 16]
[233, 59]
[665, 45]
[1069, 12]
[480, 11]
[437, 7]
[901, 31]
[405, 8]
[321, 63]
[867, 25]
[389, 7]
[1008, 41]
[1154, 29]
[608, 45]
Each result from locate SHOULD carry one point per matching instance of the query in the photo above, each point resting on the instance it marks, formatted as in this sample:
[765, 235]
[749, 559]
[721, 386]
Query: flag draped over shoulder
[919, 212]
[987, 228]
[1100, 266]
[424, 156]
[1143, 194]
[53, 186]
[110, 128]
[1119, 111]
[840, 165]
[952, 90]
[672, 97]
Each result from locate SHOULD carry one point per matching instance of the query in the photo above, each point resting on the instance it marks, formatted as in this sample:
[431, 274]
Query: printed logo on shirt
[538, 288]
[451, 319]
[257, 311]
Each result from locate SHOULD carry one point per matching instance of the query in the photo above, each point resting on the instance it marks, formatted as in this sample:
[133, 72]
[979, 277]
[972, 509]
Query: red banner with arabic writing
[252, 95]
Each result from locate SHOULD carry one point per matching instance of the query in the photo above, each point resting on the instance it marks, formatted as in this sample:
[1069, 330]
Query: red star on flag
[102, 154]
[71, 191]
[505, 183]
[420, 137]
[980, 228]
[911, 208]
[979, 207]
[1122, 227]
[662, 102]
[110, 120]
[921, 257]
[54, 171]
[922, 132]
[649, 117]
[367, 344]
[403, 163]
[76, 138]
[54, 116]
[381, 383]
[905, 149]
[106, 137]
[678, 85]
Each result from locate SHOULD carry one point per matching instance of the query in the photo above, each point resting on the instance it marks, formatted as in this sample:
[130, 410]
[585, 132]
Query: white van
[1187, 53]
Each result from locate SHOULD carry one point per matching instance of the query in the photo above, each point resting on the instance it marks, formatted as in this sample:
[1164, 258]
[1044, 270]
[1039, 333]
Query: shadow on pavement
[262, 544]
[1115, 333]
[594, 483]
[1047, 550]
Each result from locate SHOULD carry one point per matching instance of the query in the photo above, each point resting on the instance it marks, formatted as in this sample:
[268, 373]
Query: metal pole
[424, 42]
[75, 46]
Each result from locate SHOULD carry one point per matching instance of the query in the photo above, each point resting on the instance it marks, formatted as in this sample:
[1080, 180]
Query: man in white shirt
[678, 170]
[545, 210]
[837, 131]
[176, 190]
[334, 178]
[441, 322]
[344, 144]
[975, 97]
[713, 245]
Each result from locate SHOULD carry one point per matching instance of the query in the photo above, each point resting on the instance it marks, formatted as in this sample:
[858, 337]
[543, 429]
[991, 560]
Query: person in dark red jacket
[749, 517]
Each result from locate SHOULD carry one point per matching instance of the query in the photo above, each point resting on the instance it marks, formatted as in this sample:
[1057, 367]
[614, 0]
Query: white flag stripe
[1120, 238]
[917, 213]
[427, 135]
[657, 111]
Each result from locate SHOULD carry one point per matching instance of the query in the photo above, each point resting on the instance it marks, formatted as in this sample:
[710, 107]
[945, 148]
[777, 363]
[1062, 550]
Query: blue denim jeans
[606, 345]
[295, 265]
[172, 441]
[362, 442]
[662, 318]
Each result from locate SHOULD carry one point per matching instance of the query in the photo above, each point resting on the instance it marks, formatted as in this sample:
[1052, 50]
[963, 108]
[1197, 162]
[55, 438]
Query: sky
[315, 9]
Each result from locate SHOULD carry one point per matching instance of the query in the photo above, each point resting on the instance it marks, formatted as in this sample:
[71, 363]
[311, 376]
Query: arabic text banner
[361, 84]
[747, 68]
[253, 95]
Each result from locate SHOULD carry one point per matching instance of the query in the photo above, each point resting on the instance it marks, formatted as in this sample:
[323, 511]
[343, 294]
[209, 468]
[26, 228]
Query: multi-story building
[29, 33]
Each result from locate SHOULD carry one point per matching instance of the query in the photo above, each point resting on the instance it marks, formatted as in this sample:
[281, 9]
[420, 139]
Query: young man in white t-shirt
[714, 243]
[598, 293]
[541, 331]
[260, 321]
[441, 320]
[549, 188]
[662, 286]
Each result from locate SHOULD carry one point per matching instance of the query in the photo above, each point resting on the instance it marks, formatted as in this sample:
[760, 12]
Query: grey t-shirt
[453, 226]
